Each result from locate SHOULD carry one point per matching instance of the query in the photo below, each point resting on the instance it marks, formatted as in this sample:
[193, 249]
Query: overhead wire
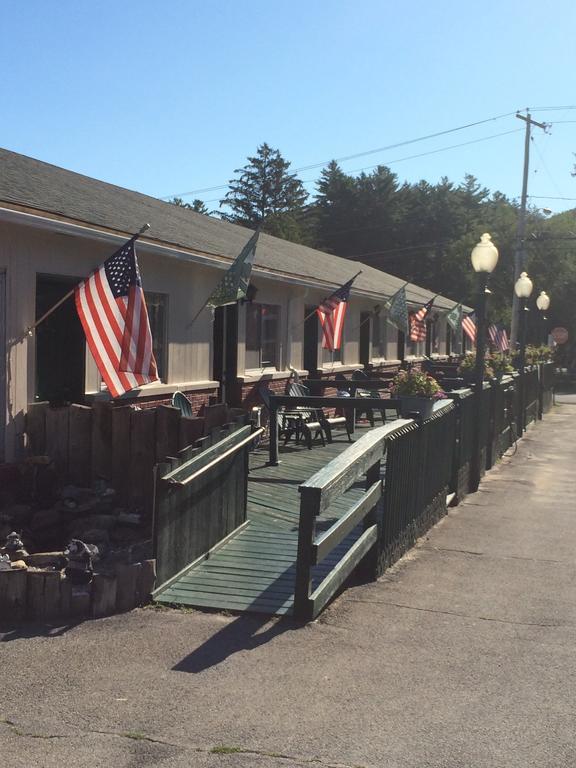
[413, 157]
[345, 158]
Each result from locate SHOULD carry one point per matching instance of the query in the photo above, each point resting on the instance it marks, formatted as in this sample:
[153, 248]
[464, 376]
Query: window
[414, 348]
[157, 304]
[380, 337]
[332, 357]
[262, 336]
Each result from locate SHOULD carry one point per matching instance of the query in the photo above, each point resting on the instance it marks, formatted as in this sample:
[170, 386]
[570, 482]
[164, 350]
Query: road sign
[560, 335]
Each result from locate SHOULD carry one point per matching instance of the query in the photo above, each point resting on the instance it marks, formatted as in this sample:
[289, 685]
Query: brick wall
[198, 398]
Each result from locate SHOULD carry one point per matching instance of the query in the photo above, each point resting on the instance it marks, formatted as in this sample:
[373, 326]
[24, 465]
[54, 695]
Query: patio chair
[180, 401]
[359, 376]
[327, 422]
[290, 422]
[312, 418]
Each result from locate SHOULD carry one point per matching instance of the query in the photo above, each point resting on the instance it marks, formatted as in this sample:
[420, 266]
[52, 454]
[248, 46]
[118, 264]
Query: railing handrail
[313, 401]
[339, 474]
[357, 384]
[199, 464]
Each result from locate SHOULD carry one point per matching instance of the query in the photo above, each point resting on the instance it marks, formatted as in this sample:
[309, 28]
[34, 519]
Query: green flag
[234, 284]
[398, 311]
[454, 317]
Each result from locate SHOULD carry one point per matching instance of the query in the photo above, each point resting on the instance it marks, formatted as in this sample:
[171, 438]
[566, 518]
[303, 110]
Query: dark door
[310, 340]
[365, 338]
[60, 344]
[225, 353]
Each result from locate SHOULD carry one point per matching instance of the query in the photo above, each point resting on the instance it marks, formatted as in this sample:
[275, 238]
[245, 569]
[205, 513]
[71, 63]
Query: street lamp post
[523, 290]
[543, 303]
[484, 258]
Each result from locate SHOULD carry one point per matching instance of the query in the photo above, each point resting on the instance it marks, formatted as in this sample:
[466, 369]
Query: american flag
[113, 313]
[499, 337]
[331, 313]
[469, 327]
[418, 322]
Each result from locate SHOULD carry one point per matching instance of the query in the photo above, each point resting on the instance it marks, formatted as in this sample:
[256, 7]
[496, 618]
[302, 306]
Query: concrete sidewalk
[462, 656]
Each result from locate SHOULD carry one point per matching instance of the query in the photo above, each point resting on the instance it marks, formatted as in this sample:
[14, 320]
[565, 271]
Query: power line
[358, 154]
[413, 157]
[550, 197]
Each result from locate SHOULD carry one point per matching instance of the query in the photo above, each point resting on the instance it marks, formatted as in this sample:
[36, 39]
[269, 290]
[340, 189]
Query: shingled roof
[50, 190]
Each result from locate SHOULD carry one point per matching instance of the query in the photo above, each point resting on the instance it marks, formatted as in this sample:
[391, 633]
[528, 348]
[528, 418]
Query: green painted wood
[325, 543]
[255, 569]
[328, 588]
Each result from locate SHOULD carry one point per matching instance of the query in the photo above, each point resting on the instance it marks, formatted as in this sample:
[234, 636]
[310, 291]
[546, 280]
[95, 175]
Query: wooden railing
[316, 495]
[200, 499]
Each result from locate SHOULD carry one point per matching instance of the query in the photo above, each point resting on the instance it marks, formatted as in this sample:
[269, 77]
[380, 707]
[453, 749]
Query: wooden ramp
[255, 568]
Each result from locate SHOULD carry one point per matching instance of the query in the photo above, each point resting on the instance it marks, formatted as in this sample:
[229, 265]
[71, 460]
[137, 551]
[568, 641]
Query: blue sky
[170, 97]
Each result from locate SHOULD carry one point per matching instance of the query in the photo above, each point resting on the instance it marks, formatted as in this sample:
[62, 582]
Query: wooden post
[36, 428]
[103, 595]
[80, 446]
[121, 451]
[273, 432]
[146, 581]
[57, 437]
[101, 440]
[167, 431]
[42, 595]
[127, 579]
[12, 595]
[306, 531]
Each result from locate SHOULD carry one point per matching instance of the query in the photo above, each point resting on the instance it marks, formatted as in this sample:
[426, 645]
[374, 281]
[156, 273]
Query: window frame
[150, 297]
[250, 349]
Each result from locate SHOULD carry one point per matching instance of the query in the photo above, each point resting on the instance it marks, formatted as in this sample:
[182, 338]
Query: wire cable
[358, 154]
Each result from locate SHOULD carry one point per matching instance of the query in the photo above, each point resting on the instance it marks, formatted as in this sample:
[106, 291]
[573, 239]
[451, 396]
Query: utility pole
[520, 252]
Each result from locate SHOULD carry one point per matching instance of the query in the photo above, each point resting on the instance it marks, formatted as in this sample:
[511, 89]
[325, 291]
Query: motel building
[56, 226]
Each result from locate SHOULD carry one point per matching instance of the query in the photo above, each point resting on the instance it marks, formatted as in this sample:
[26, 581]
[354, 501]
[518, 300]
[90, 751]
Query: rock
[46, 560]
[45, 518]
[124, 535]
[93, 522]
[76, 493]
[18, 514]
[98, 537]
[5, 564]
[129, 518]
[19, 565]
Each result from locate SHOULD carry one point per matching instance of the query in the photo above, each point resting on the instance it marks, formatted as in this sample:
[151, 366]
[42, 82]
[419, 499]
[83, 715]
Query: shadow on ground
[26, 631]
[246, 633]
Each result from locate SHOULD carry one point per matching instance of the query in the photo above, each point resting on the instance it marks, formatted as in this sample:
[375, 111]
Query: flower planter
[423, 405]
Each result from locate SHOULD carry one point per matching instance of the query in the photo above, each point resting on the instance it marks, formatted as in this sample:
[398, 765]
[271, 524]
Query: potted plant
[500, 364]
[467, 367]
[417, 391]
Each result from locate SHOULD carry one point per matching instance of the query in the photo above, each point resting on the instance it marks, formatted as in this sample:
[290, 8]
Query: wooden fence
[200, 499]
[316, 495]
[120, 444]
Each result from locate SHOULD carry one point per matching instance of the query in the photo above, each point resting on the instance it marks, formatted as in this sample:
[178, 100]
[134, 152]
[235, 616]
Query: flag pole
[29, 331]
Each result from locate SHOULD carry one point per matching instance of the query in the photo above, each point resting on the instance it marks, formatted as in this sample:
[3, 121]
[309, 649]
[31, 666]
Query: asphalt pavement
[461, 656]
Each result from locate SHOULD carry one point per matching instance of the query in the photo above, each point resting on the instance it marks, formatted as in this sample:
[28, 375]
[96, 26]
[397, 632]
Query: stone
[45, 518]
[81, 525]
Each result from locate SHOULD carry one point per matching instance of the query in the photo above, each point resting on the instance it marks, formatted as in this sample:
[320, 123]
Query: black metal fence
[426, 464]
[417, 481]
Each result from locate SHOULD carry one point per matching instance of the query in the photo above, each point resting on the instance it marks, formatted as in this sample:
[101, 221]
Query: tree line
[420, 232]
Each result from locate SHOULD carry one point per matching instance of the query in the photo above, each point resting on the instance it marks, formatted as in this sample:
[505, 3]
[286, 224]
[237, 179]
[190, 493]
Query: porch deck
[255, 569]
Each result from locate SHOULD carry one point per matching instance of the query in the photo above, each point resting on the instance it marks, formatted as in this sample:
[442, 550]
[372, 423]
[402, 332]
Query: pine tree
[266, 195]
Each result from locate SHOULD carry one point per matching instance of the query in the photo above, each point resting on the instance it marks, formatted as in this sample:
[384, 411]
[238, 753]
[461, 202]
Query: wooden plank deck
[255, 569]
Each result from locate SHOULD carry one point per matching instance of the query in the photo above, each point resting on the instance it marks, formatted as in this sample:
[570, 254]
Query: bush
[416, 384]
[467, 366]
